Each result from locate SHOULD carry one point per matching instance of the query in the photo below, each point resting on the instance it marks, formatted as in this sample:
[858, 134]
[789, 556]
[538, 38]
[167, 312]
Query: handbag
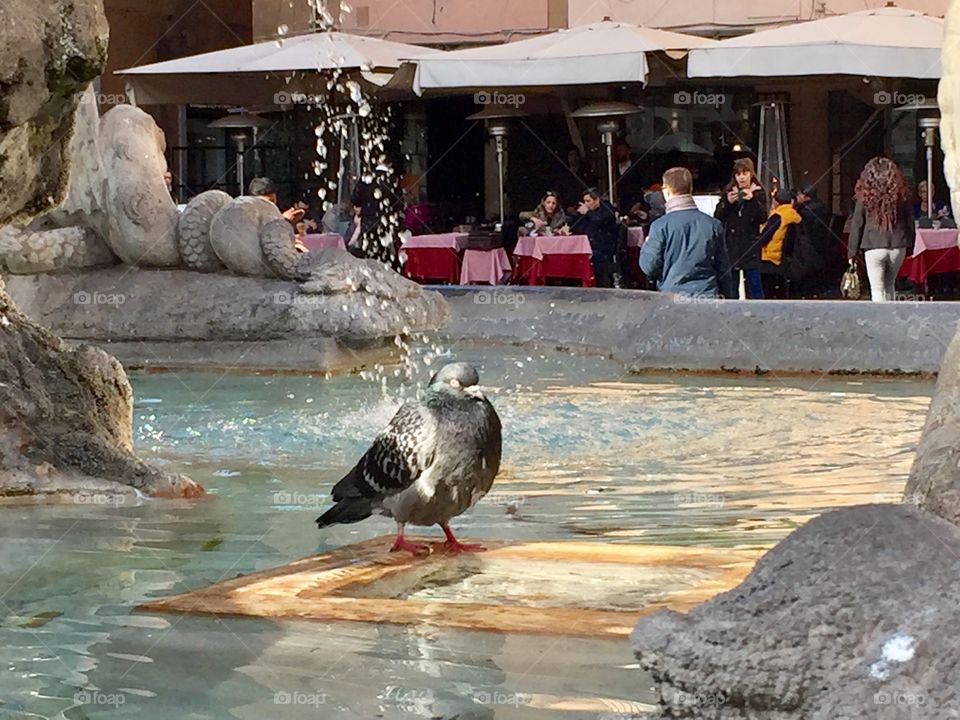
[850, 283]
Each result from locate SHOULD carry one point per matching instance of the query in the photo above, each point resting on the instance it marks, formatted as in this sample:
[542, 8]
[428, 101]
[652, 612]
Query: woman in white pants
[882, 225]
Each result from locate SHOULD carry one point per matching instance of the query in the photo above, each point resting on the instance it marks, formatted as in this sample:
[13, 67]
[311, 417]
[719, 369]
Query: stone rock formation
[251, 237]
[948, 98]
[193, 231]
[849, 617]
[66, 419]
[51, 50]
[142, 215]
[934, 482]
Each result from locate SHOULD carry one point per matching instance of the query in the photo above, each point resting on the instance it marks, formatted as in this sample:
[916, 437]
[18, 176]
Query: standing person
[685, 252]
[377, 204]
[597, 219]
[742, 210]
[626, 174]
[778, 243]
[882, 225]
[815, 255]
[576, 178]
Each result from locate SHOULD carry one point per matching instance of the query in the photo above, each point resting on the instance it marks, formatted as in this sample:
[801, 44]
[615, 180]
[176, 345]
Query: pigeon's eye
[454, 383]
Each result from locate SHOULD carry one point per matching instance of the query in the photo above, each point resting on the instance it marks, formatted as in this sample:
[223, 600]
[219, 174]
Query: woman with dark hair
[742, 210]
[882, 224]
[547, 219]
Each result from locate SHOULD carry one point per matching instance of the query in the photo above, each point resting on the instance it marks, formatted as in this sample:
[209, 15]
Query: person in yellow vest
[777, 238]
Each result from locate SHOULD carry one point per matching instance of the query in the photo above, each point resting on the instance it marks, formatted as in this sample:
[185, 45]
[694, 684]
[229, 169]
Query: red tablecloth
[568, 257]
[433, 257]
[935, 251]
[320, 241]
[485, 266]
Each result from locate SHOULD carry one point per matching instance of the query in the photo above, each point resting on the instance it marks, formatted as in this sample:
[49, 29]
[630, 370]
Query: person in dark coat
[627, 179]
[813, 253]
[597, 219]
[378, 205]
[742, 210]
[685, 252]
[882, 225]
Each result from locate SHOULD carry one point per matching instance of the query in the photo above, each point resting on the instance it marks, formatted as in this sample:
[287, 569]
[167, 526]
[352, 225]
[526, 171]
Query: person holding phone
[742, 210]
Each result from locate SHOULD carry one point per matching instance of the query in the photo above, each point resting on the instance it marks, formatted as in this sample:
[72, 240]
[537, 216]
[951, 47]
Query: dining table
[490, 267]
[934, 251]
[322, 241]
[565, 257]
[433, 257]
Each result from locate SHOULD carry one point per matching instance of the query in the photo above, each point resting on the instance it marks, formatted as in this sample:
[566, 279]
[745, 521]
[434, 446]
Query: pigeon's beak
[474, 391]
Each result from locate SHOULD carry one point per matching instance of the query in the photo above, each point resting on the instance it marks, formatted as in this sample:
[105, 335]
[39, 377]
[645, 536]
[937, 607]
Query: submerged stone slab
[555, 588]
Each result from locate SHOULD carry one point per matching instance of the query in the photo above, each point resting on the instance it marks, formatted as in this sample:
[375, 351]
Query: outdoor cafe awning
[603, 52]
[888, 42]
[258, 74]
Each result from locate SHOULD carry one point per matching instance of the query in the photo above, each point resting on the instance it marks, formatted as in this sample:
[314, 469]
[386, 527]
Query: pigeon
[436, 459]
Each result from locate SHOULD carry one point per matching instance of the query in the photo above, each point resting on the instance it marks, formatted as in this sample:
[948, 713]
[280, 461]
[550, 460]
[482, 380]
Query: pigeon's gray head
[457, 377]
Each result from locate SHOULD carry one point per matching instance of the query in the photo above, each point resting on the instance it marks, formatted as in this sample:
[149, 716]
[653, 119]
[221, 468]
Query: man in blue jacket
[685, 250]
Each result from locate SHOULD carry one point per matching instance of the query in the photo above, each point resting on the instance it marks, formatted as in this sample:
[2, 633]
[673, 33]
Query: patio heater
[773, 154]
[237, 125]
[928, 121]
[496, 118]
[606, 111]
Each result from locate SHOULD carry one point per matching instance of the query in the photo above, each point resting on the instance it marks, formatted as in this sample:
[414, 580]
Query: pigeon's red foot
[411, 547]
[454, 546]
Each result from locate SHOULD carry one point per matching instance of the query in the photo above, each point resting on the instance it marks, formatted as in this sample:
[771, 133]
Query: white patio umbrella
[263, 69]
[602, 52]
[886, 42]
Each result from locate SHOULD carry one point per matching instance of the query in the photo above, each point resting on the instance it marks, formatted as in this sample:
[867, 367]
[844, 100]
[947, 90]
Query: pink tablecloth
[485, 266]
[635, 237]
[930, 239]
[538, 258]
[321, 241]
[453, 241]
[537, 247]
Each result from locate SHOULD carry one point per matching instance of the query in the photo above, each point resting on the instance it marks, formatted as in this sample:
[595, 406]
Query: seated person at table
[597, 219]
[685, 251]
[941, 211]
[547, 219]
[575, 178]
[264, 187]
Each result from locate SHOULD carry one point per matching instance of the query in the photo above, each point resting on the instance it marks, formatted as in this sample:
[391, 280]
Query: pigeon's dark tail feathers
[348, 510]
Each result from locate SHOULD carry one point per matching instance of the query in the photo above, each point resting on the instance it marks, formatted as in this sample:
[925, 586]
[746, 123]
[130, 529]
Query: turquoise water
[590, 455]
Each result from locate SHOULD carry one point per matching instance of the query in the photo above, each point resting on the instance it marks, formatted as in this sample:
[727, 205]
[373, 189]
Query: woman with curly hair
[882, 224]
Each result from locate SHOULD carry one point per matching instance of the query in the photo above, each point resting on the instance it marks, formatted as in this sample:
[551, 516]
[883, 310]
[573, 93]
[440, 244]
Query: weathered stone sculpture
[65, 415]
[51, 50]
[142, 215]
[251, 237]
[193, 231]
